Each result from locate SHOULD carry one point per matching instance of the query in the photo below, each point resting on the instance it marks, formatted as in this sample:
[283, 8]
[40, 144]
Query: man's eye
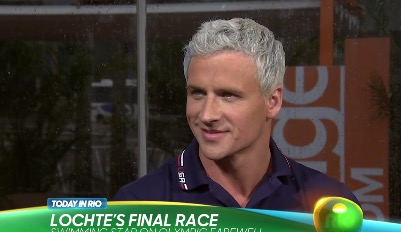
[196, 93]
[228, 95]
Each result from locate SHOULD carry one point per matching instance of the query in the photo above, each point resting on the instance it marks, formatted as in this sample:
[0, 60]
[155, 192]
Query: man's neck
[238, 174]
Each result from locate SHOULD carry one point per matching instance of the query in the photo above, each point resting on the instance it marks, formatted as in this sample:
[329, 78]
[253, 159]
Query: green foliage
[165, 76]
[168, 128]
[37, 98]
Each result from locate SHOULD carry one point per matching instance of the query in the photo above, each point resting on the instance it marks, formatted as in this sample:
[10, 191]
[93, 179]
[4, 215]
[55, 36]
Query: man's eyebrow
[230, 90]
[218, 90]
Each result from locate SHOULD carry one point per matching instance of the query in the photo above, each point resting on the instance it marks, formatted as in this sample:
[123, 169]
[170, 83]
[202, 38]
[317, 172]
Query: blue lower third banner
[98, 215]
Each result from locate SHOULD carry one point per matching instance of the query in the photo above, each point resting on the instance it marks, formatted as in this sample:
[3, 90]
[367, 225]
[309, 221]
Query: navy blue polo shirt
[288, 186]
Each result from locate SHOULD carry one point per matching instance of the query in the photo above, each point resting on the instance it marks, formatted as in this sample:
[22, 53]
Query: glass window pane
[68, 95]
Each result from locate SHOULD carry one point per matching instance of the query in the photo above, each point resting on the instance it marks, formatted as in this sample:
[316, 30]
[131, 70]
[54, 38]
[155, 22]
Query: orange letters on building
[328, 122]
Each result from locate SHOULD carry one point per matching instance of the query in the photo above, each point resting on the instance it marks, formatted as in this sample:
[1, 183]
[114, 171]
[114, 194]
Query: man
[234, 71]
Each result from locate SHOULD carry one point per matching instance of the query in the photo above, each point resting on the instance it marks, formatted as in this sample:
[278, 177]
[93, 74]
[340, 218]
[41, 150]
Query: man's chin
[213, 155]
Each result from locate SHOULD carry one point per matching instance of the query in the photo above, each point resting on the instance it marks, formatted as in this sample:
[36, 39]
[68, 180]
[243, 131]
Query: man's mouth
[212, 134]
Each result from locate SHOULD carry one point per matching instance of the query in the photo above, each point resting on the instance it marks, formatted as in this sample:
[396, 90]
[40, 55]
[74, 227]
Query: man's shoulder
[306, 173]
[152, 186]
[311, 177]
[318, 184]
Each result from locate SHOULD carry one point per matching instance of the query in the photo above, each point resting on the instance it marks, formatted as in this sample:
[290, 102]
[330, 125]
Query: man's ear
[273, 102]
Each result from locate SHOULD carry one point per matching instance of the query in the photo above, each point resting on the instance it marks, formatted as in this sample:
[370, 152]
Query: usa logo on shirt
[180, 171]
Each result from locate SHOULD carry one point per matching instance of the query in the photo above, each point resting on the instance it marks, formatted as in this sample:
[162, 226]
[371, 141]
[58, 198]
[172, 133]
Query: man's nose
[210, 110]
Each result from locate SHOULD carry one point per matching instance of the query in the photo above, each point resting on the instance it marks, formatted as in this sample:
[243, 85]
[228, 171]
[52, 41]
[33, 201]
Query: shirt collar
[191, 173]
[280, 163]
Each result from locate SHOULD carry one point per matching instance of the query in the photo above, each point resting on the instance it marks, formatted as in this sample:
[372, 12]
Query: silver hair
[242, 35]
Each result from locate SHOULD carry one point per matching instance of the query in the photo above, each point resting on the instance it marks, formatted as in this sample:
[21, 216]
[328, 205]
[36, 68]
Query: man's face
[226, 110]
